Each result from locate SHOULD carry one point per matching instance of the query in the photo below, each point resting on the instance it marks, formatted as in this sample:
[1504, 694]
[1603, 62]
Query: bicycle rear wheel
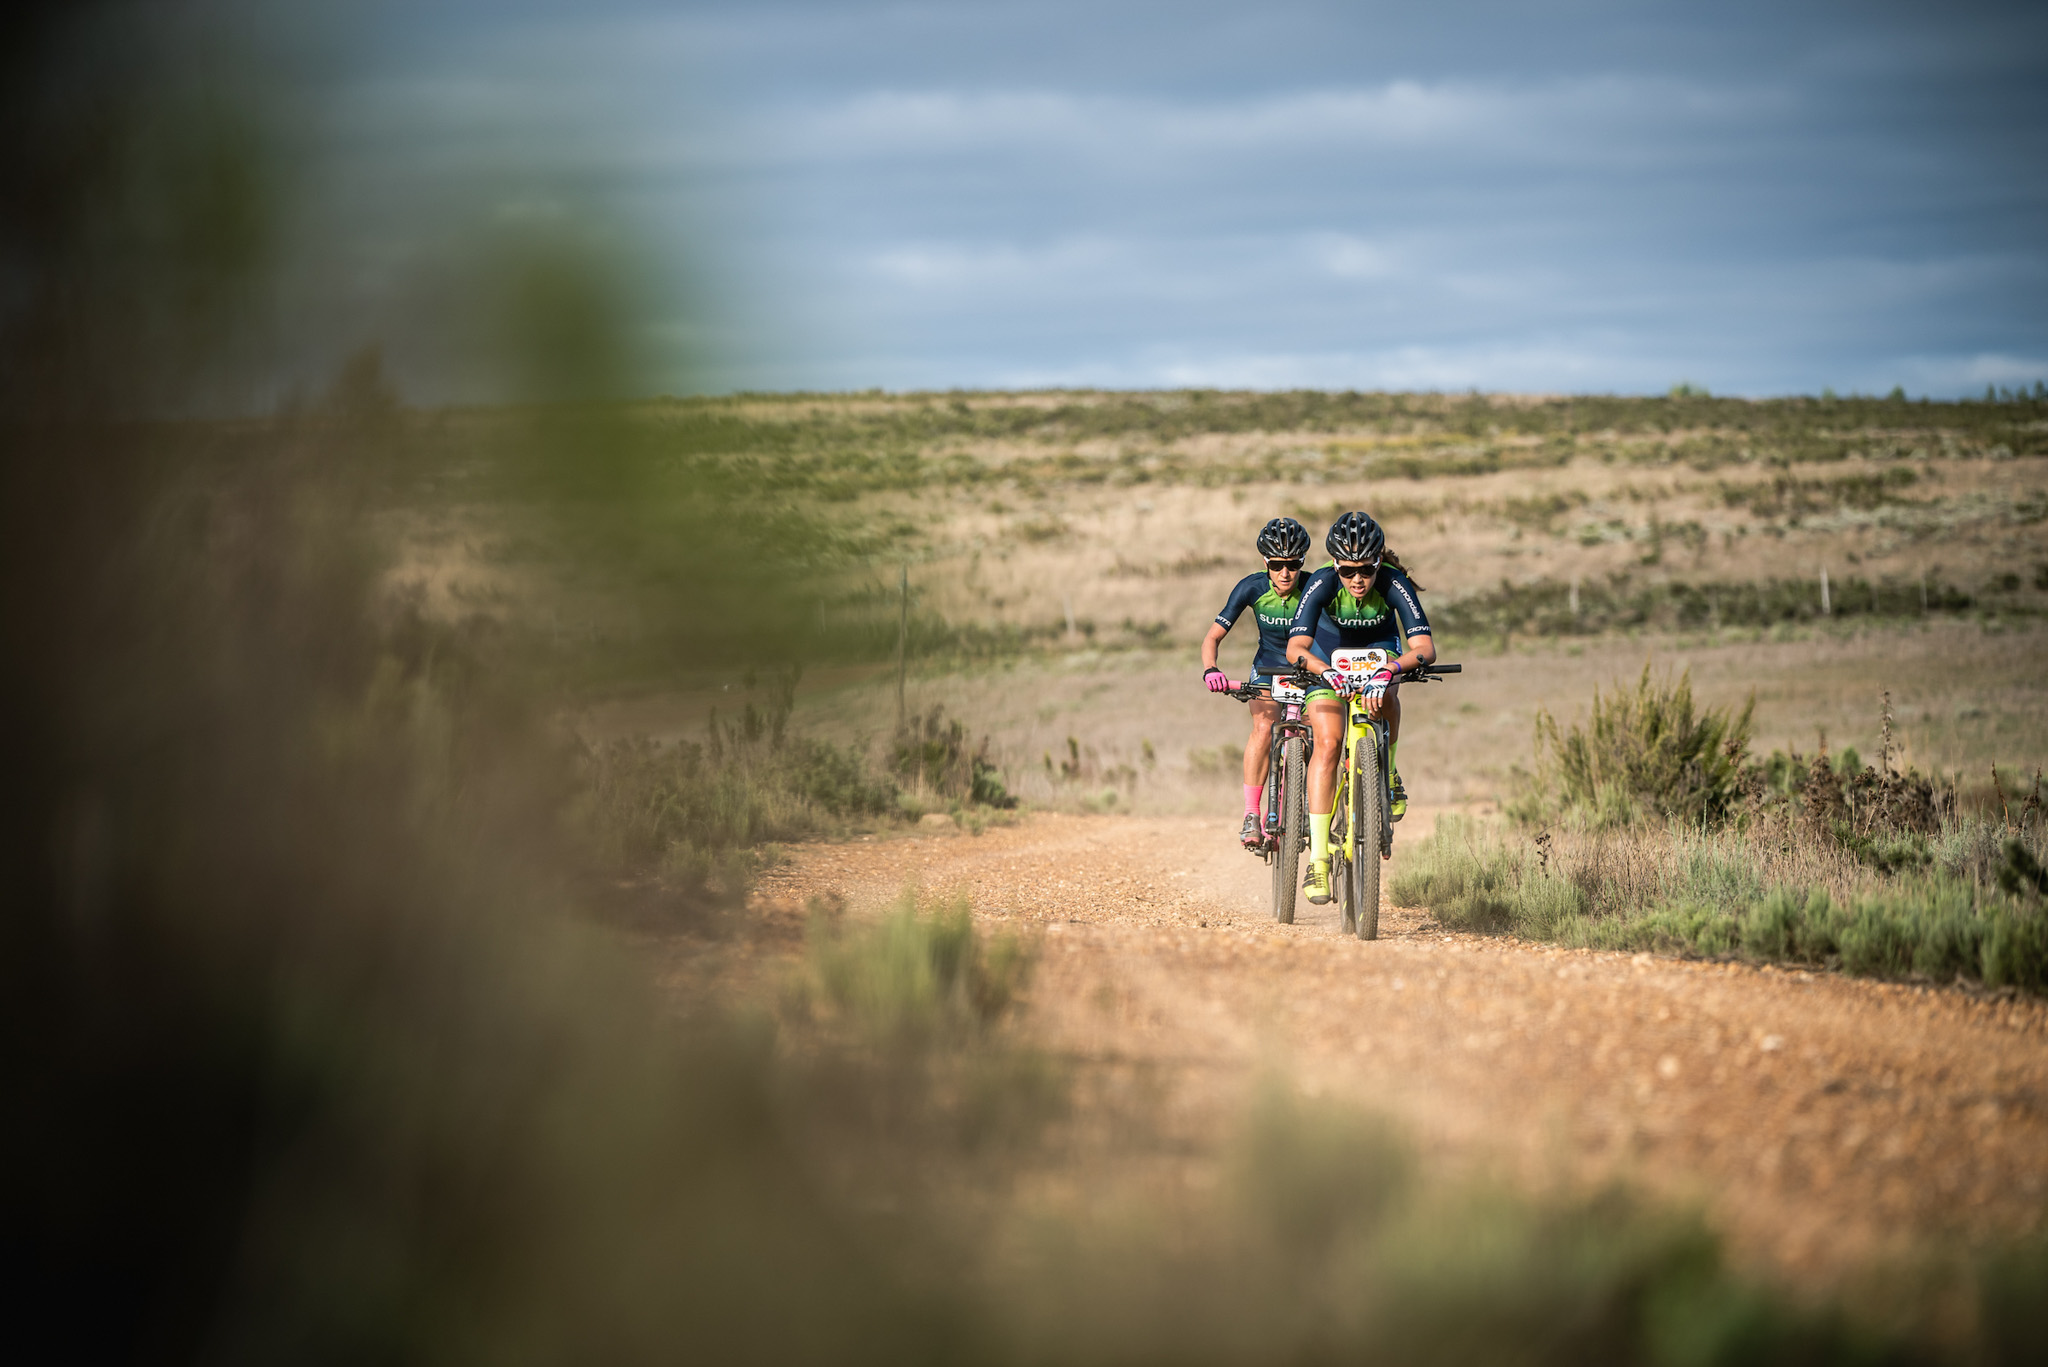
[1293, 780]
[1368, 825]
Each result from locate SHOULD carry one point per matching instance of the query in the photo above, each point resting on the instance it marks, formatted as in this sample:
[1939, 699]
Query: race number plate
[1284, 692]
[1359, 661]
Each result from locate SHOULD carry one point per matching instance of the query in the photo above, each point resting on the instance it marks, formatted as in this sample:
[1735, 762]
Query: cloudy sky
[1593, 195]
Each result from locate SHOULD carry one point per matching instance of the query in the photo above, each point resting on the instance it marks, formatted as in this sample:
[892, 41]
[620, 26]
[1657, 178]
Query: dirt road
[1820, 1120]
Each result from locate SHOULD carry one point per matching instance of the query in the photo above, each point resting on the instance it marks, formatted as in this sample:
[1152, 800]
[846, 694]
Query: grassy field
[1120, 520]
[1065, 551]
[395, 888]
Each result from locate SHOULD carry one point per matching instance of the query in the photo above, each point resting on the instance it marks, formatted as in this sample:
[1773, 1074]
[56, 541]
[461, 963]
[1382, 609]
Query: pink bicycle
[1284, 824]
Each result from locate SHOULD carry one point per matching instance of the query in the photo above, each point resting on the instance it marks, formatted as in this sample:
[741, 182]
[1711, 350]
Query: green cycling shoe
[1317, 884]
[1397, 799]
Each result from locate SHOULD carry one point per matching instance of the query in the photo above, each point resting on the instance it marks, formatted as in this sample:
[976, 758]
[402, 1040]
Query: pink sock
[1252, 793]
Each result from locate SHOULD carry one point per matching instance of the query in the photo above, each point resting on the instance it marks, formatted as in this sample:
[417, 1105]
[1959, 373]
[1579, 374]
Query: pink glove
[1378, 682]
[1338, 680]
[1215, 680]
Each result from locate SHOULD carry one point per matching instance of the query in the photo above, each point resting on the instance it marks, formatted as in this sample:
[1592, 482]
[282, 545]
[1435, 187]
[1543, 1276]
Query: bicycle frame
[1355, 816]
[1356, 724]
[1292, 722]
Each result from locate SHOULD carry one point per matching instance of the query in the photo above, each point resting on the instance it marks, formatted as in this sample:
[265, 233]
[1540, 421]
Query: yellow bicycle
[1361, 835]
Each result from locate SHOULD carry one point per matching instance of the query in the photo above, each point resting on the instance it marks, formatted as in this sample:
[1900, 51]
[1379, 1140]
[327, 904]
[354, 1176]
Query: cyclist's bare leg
[1399, 795]
[1388, 707]
[1256, 761]
[1326, 719]
[1258, 749]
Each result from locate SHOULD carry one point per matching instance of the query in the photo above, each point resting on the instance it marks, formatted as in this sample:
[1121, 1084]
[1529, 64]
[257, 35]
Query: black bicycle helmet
[1355, 536]
[1283, 539]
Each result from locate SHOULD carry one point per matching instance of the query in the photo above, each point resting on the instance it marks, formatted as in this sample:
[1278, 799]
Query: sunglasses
[1358, 571]
[1294, 564]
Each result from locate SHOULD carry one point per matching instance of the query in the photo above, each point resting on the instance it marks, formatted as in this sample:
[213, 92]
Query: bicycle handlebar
[1246, 690]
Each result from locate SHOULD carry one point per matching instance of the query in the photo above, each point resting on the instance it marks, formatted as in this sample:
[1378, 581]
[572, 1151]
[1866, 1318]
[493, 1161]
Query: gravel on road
[1820, 1121]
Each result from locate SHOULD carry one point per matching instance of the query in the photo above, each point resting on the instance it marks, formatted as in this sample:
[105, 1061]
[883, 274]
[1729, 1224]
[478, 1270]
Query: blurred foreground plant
[692, 815]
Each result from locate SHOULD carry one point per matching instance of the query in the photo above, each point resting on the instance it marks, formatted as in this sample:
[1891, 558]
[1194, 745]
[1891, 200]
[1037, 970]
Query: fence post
[902, 639]
[1575, 600]
[1826, 608]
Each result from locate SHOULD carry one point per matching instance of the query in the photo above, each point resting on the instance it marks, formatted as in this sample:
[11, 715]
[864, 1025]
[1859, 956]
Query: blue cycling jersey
[1388, 612]
[1275, 616]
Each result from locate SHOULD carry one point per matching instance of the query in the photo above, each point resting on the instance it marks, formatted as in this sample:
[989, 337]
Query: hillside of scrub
[1119, 520]
[1104, 730]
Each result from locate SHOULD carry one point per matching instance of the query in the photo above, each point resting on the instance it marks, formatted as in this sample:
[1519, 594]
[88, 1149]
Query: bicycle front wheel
[1293, 779]
[1368, 823]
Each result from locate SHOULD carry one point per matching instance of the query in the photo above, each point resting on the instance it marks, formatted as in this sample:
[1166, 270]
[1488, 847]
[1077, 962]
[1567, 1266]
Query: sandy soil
[1821, 1122]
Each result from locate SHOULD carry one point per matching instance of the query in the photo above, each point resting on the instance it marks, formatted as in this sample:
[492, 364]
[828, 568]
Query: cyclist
[1274, 596]
[1369, 600]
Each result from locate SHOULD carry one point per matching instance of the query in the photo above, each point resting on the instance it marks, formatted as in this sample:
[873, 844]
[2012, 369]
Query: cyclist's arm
[1418, 648]
[1300, 651]
[1421, 650]
[1241, 597]
[1321, 587]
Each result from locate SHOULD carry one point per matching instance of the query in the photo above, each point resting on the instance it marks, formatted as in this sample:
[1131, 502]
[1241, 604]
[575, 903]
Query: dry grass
[1771, 891]
[1132, 559]
[1130, 515]
[1462, 740]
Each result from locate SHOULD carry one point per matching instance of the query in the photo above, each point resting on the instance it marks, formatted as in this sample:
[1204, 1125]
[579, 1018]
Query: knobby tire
[1293, 804]
[1368, 832]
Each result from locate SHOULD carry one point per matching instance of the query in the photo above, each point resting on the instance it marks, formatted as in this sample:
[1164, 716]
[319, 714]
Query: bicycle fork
[1358, 725]
[1284, 730]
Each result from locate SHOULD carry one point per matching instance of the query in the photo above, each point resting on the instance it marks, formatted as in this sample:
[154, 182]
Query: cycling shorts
[1313, 694]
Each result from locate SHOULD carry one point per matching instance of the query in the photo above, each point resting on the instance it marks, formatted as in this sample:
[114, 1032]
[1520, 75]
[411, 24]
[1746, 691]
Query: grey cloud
[1593, 194]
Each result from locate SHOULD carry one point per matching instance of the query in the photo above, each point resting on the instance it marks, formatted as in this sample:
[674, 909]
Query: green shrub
[2014, 950]
[1682, 891]
[1649, 750]
[931, 753]
[1935, 928]
[1472, 878]
[1789, 924]
[1716, 871]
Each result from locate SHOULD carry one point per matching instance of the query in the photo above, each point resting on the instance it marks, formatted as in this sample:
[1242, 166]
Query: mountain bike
[1361, 835]
[1284, 819]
